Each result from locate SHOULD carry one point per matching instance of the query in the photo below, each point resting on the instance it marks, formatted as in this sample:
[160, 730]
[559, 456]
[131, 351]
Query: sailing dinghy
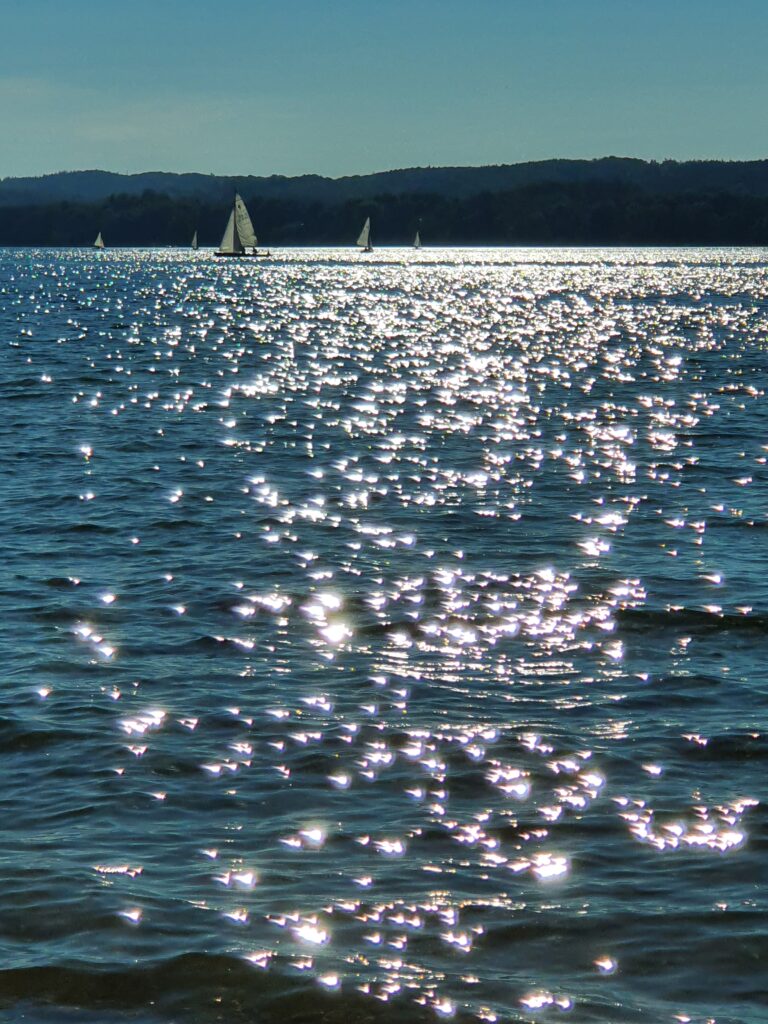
[417, 241]
[194, 241]
[99, 243]
[364, 241]
[239, 237]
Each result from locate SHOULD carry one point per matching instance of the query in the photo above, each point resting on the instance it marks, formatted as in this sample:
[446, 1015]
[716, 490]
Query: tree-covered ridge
[552, 213]
[669, 176]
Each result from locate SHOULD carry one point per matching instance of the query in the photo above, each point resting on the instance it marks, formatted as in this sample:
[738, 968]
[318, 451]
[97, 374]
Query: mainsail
[364, 241]
[239, 233]
[194, 241]
[244, 225]
[417, 241]
[99, 243]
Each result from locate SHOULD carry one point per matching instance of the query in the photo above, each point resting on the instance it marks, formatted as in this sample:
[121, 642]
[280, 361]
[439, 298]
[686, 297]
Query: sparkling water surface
[384, 636]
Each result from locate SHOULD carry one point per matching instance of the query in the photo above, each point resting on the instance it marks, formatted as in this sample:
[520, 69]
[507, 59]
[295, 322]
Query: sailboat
[99, 243]
[194, 241]
[239, 236]
[417, 241]
[364, 241]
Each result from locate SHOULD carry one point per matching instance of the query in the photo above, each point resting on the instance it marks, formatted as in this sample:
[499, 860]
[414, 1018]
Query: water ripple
[384, 631]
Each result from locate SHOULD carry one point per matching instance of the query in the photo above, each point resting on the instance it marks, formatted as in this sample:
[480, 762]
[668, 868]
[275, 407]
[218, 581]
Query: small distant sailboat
[99, 243]
[417, 241]
[194, 241]
[239, 235]
[364, 241]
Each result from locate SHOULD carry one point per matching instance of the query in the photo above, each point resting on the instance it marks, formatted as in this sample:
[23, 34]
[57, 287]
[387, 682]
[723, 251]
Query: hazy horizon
[343, 88]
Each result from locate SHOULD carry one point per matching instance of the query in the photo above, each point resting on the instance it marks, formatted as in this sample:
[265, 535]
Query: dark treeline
[748, 177]
[587, 213]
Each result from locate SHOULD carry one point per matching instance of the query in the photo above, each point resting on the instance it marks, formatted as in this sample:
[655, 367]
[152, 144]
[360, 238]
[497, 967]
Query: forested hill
[668, 176]
[558, 202]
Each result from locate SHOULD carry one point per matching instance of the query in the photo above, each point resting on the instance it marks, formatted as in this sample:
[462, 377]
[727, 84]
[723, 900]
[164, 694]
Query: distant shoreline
[350, 250]
[612, 201]
[588, 214]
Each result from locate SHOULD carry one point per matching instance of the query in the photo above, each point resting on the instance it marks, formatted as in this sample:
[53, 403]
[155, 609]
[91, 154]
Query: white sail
[364, 241]
[231, 243]
[244, 225]
[194, 241]
[417, 241]
[99, 243]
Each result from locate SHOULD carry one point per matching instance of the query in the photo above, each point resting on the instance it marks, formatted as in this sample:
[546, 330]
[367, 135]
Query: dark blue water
[384, 638]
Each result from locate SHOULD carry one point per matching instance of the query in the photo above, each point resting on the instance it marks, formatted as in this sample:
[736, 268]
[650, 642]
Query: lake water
[385, 636]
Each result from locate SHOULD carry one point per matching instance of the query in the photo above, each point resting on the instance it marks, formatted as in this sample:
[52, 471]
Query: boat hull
[242, 255]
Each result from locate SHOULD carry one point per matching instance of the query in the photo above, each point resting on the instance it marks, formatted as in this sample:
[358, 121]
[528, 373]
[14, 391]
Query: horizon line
[393, 170]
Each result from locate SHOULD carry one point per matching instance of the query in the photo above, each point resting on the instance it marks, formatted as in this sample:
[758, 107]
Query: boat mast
[235, 232]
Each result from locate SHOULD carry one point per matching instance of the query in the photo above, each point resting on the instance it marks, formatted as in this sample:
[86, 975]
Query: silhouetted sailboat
[364, 241]
[99, 243]
[417, 241]
[239, 236]
[194, 241]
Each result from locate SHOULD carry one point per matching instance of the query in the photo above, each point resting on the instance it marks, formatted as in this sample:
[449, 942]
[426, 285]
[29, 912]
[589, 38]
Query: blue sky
[350, 86]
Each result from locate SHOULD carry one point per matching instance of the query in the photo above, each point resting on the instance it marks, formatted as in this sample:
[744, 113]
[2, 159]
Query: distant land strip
[610, 201]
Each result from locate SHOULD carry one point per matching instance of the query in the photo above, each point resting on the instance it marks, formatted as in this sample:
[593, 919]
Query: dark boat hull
[242, 255]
